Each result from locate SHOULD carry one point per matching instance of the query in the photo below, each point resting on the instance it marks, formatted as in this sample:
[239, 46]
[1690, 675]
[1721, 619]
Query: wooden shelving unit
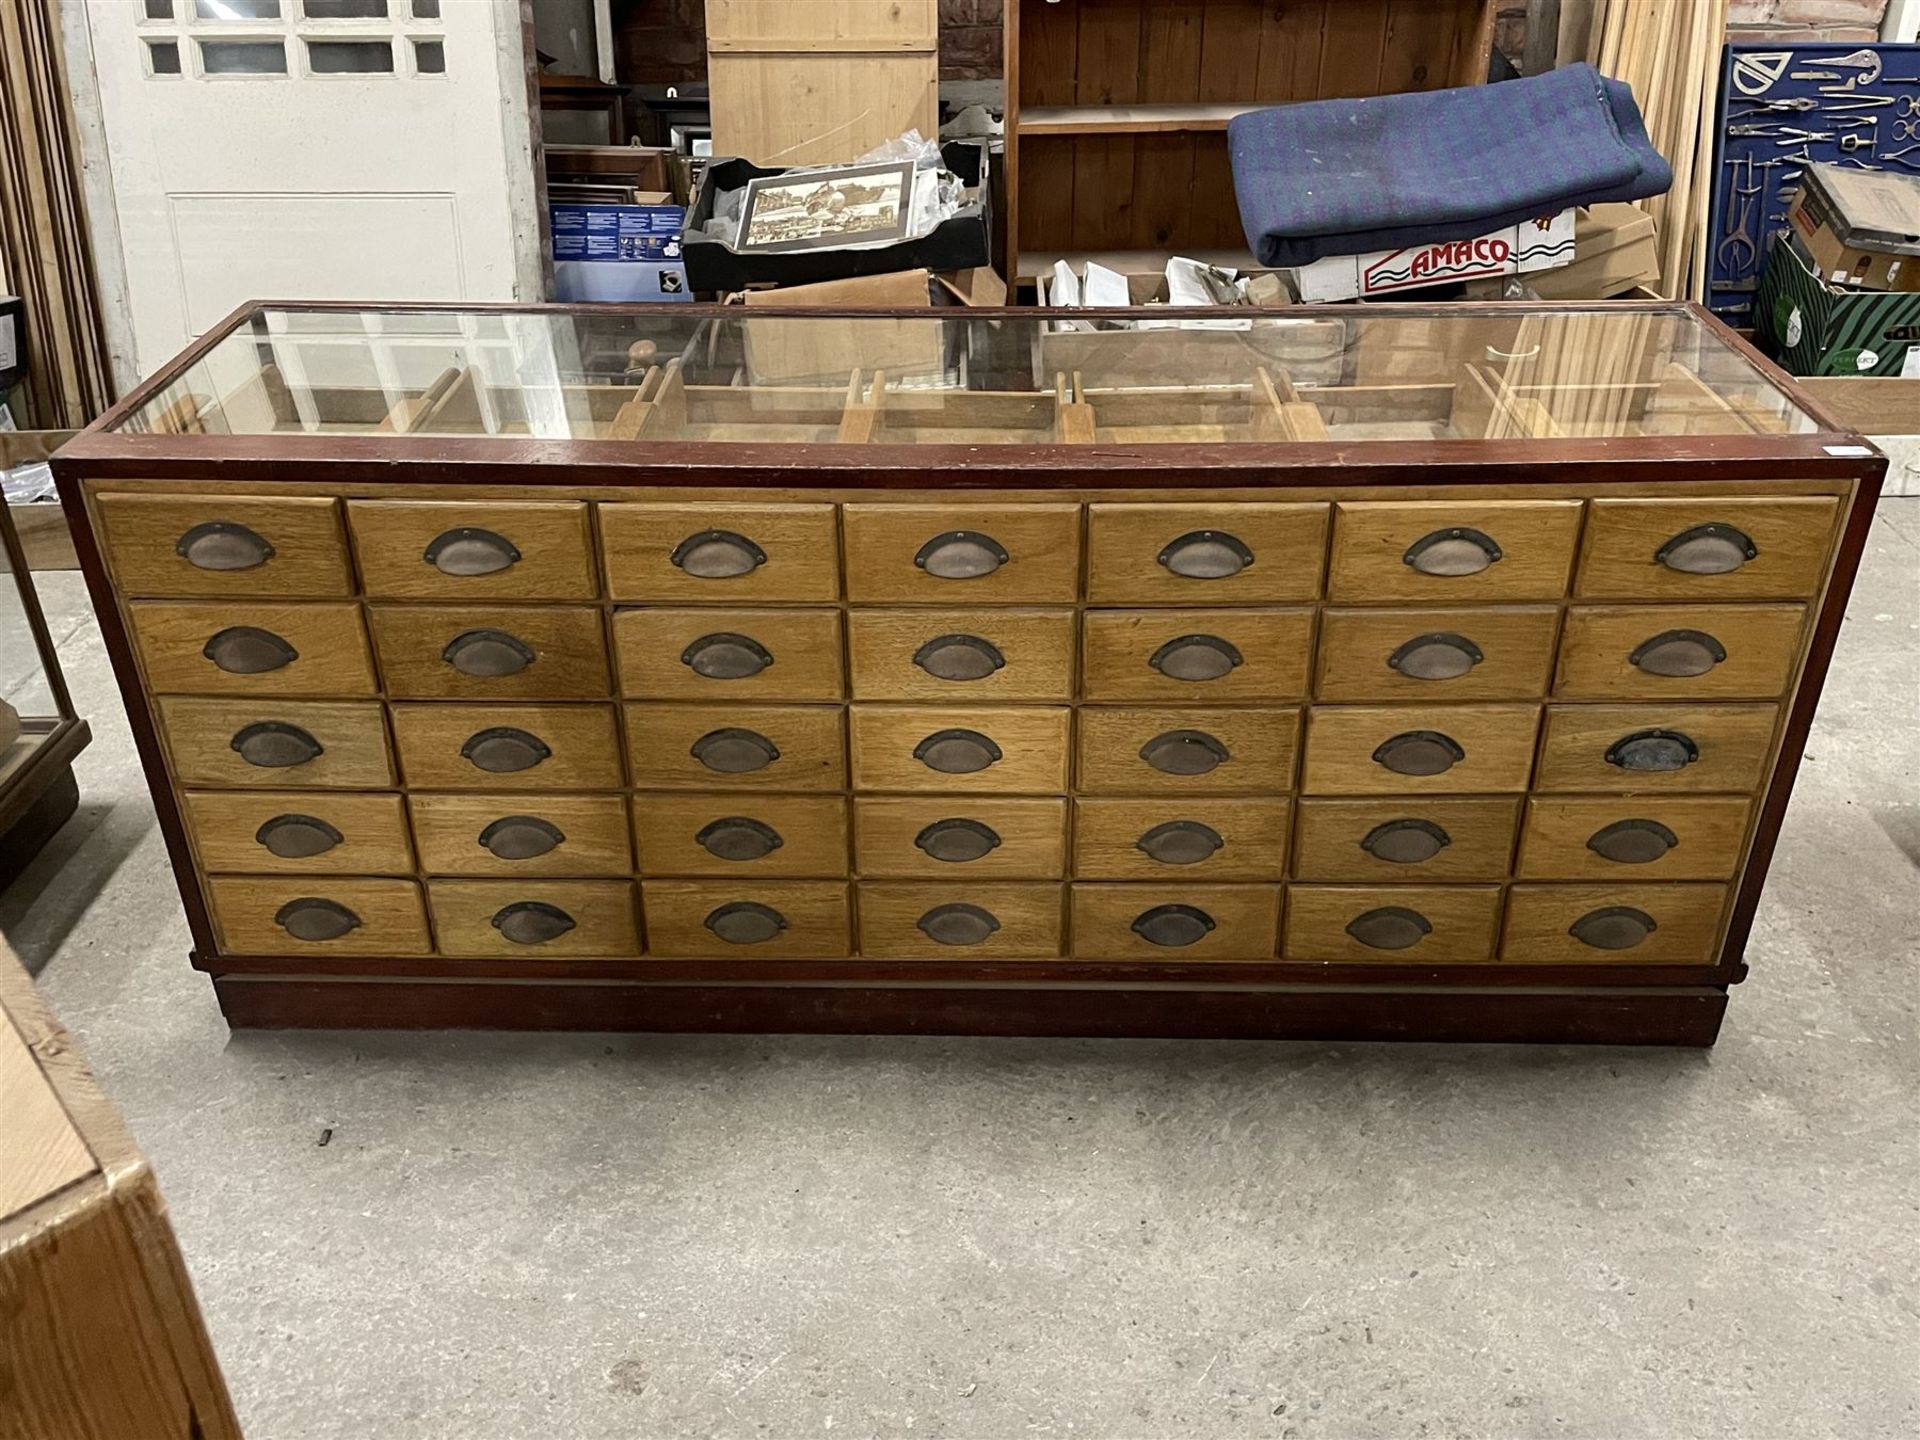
[1117, 109]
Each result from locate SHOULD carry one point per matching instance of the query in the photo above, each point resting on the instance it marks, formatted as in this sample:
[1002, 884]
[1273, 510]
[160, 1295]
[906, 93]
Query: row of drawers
[1222, 656]
[971, 553]
[811, 919]
[1201, 839]
[1040, 750]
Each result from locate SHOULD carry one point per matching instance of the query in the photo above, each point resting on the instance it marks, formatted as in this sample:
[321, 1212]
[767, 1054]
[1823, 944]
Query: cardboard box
[618, 252]
[1614, 251]
[1517, 249]
[1860, 227]
[785, 351]
[1812, 327]
[960, 242]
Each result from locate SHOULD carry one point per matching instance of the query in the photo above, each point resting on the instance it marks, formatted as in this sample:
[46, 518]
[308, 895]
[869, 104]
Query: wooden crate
[99, 1332]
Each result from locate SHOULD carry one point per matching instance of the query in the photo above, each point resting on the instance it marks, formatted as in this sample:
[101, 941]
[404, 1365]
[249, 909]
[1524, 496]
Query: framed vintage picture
[859, 204]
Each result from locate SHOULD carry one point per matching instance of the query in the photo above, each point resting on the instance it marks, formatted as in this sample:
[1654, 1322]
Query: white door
[312, 150]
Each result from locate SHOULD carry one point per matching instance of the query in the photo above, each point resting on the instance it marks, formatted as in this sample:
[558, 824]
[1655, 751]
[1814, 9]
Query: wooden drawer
[1144, 750]
[318, 915]
[1196, 657]
[988, 656]
[1426, 750]
[1706, 548]
[738, 747]
[1658, 749]
[938, 837]
[970, 751]
[747, 919]
[1679, 652]
[265, 647]
[508, 747]
[534, 919]
[1503, 653]
[1393, 924]
[729, 654]
[746, 835]
[1192, 922]
[1426, 840]
[492, 652]
[1218, 554]
[521, 835]
[1613, 840]
[1168, 840]
[1542, 921]
[962, 553]
[473, 550]
[722, 553]
[224, 545]
[271, 745]
[297, 833]
[1463, 551]
[961, 921]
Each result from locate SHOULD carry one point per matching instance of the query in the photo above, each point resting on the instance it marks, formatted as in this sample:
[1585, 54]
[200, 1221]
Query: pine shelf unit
[1117, 109]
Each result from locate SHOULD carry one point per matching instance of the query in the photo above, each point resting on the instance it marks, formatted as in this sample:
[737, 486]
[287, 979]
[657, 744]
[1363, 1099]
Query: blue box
[618, 252]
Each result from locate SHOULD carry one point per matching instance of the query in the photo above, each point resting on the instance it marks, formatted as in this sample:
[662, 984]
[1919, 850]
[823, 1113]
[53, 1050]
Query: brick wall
[658, 42]
[1801, 22]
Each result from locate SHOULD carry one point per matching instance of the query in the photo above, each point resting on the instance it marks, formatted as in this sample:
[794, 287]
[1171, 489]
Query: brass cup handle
[521, 837]
[1419, 752]
[469, 550]
[504, 750]
[1406, 842]
[1678, 654]
[1206, 555]
[957, 924]
[745, 922]
[1456, 550]
[957, 841]
[315, 919]
[1180, 842]
[1613, 927]
[735, 837]
[724, 655]
[223, 545]
[1711, 549]
[1632, 842]
[1653, 751]
[718, 555]
[1439, 656]
[959, 657]
[248, 650]
[1173, 927]
[297, 837]
[274, 745]
[733, 751]
[961, 555]
[1185, 752]
[487, 654]
[957, 752]
[532, 922]
[1390, 927]
[1196, 658]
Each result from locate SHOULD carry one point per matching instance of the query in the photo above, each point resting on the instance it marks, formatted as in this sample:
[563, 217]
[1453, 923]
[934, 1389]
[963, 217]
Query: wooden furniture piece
[1117, 109]
[1410, 672]
[39, 732]
[821, 82]
[99, 1332]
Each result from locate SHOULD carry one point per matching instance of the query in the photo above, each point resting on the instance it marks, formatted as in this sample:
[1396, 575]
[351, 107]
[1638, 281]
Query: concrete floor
[531, 1236]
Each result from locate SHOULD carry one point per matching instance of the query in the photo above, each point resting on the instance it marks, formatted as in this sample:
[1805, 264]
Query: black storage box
[957, 243]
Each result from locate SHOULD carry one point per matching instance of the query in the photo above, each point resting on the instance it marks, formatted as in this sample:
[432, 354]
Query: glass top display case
[962, 377]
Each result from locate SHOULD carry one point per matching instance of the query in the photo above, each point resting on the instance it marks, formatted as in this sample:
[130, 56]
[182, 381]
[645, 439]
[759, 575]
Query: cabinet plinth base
[1683, 1016]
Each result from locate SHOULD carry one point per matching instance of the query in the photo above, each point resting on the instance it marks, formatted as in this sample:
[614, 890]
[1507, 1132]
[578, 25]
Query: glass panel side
[670, 373]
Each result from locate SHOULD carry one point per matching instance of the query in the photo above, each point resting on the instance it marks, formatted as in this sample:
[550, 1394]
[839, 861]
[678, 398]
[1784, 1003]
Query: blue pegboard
[1882, 114]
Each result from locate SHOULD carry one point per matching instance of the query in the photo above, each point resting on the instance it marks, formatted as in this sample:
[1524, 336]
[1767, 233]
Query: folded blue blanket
[1342, 177]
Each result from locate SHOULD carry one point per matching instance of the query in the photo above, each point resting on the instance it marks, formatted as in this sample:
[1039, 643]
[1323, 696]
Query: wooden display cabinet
[1402, 672]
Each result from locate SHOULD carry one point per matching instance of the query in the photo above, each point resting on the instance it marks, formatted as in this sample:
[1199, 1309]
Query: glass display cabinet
[1398, 671]
[39, 732]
